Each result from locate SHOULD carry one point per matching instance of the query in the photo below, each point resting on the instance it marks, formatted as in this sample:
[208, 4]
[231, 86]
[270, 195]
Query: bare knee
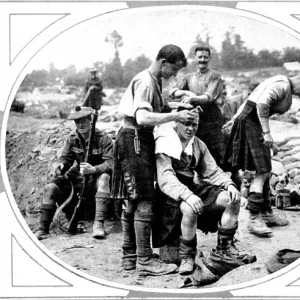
[103, 182]
[223, 201]
[49, 193]
[187, 211]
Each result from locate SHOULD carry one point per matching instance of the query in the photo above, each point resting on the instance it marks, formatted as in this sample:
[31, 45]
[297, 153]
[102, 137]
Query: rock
[292, 165]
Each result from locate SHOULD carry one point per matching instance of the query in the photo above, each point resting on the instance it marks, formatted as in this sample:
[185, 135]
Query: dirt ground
[102, 258]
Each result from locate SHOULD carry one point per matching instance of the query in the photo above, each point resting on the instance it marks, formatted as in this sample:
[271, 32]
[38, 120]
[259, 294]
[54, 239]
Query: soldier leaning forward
[71, 163]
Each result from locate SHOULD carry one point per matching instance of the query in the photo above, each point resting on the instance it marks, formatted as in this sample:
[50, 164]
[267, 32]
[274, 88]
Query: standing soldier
[204, 88]
[93, 91]
[249, 143]
[141, 106]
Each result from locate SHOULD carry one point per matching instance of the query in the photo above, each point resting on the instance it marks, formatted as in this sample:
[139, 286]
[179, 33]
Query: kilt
[134, 173]
[167, 213]
[210, 130]
[245, 149]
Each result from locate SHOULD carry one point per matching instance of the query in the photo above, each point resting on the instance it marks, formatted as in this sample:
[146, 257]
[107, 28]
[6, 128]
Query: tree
[113, 75]
[291, 54]
[132, 67]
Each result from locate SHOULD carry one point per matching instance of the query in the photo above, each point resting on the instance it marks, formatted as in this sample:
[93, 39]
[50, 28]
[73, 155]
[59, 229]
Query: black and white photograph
[150, 150]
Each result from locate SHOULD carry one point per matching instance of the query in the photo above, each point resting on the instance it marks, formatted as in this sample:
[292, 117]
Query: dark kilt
[167, 213]
[245, 149]
[210, 130]
[134, 174]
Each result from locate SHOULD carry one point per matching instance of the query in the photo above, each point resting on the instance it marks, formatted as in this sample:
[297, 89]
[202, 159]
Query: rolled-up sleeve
[272, 95]
[181, 84]
[167, 180]
[214, 88]
[142, 97]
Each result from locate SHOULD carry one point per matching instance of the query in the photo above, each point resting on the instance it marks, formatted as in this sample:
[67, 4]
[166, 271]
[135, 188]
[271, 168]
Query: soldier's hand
[233, 194]
[195, 203]
[87, 169]
[186, 116]
[268, 140]
[226, 129]
[57, 169]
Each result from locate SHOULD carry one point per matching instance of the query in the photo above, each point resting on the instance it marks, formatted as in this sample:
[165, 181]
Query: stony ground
[28, 170]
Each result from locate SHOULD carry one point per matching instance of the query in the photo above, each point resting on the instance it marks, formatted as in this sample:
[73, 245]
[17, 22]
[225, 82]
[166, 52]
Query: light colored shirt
[272, 96]
[208, 83]
[200, 163]
[143, 92]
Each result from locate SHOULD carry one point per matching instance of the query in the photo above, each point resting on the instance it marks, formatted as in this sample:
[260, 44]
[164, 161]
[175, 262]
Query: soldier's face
[83, 124]
[186, 130]
[202, 59]
[168, 69]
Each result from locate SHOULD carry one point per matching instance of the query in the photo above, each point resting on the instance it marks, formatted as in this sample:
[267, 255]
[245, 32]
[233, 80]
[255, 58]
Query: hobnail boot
[257, 226]
[271, 219]
[98, 230]
[187, 265]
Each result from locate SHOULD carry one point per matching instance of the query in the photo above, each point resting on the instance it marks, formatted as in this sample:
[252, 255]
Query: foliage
[234, 55]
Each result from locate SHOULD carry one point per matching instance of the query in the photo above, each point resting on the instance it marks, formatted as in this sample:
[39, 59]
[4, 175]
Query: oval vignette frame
[19, 240]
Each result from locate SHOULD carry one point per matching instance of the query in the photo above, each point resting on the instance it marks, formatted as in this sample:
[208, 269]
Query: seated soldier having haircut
[71, 163]
[179, 155]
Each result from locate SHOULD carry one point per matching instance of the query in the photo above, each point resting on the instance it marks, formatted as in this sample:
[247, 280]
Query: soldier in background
[93, 90]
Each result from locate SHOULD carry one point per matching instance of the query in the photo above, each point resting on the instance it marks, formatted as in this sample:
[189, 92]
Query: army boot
[98, 230]
[271, 219]
[257, 226]
[48, 211]
[187, 251]
[226, 240]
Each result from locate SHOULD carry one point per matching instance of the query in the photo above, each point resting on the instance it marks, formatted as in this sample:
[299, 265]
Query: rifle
[72, 227]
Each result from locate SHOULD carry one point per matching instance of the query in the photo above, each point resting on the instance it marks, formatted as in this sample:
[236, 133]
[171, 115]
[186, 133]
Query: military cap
[93, 70]
[81, 112]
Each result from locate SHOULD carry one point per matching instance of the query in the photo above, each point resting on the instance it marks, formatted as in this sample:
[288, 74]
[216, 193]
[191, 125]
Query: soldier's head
[93, 72]
[171, 59]
[187, 130]
[82, 117]
[202, 57]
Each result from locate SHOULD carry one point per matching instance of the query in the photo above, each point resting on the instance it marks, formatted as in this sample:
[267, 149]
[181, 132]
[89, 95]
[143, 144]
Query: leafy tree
[132, 67]
[291, 54]
[37, 78]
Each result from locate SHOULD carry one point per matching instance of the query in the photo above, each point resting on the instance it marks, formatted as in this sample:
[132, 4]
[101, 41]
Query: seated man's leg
[146, 263]
[52, 194]
[228, 223]
[102, 199]
[188, 240]
[129, 244]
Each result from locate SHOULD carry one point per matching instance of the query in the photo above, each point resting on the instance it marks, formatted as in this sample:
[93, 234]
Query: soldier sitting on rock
[71, 164]
[211, 205]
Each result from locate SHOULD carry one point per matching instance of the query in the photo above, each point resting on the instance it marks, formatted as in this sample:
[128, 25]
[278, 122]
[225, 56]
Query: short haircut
[202, 48]
[172, 54]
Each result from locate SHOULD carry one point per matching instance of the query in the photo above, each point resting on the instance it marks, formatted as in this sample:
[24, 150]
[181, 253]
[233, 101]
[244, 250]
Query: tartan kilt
[133, 174]
[245, 149]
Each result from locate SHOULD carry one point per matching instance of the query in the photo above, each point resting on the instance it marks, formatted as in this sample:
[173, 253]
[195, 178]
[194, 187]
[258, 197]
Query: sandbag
[294, 172]
[291, 152]
[278, 168]
[297, 179]
[292, 165]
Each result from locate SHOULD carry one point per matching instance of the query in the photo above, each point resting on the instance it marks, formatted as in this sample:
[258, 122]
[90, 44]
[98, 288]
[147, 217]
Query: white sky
[148, 31]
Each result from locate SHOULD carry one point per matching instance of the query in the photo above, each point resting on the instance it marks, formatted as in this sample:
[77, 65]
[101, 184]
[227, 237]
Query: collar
[199, 72]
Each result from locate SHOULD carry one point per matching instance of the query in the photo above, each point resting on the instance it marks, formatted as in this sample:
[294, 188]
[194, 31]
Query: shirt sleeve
[211, 172]
[272, 95]
[142, 98]
[214, 88]
[181, 84]
[106, 145]
[67, 156]
[167, 180]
